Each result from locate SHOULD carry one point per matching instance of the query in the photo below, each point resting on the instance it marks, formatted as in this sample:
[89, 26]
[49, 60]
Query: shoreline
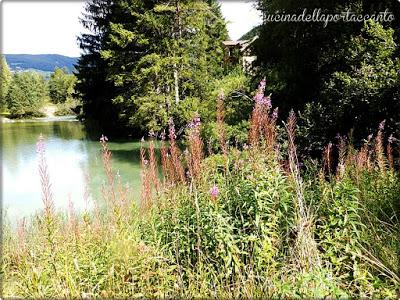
[68, 118]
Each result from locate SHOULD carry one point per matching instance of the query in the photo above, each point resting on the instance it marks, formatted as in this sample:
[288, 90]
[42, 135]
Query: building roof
[233, 43]
[243, 44]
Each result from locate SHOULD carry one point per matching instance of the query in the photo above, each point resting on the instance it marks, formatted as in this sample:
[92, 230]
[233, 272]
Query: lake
[74, 161]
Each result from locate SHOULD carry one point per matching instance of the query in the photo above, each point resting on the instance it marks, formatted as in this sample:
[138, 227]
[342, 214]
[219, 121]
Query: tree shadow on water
[132, 156]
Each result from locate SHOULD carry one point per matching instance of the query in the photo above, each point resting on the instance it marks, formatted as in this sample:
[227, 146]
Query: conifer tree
[27, 94]
[5, 81]
[160, 57]
[96, 92]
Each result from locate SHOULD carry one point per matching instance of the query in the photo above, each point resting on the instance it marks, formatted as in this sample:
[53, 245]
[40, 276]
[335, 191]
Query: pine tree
[5, 81]
[160, 57]
[92, 86]
[26, 94]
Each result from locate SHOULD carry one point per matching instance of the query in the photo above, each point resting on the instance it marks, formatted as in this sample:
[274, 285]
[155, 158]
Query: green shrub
[361, 94]
[249, 223]
[61, 86]
[27, 94]
[67, 108]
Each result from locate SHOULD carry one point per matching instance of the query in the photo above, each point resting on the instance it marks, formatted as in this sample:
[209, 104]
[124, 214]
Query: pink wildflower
[214, 191]
[196, 122]
[172, 135]
[103, 139]
[40, 148]
[382, 125]
[275, 114]
[391, 139]
[262, 85]
[260, 98]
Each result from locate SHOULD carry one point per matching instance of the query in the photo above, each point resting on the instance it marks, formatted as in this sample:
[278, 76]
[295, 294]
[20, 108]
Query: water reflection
[72, 157]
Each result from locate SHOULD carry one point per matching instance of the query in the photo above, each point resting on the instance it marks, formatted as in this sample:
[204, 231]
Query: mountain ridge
[40, 62]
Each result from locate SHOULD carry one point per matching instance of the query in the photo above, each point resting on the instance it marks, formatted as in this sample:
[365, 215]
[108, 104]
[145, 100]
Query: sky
[51, 27]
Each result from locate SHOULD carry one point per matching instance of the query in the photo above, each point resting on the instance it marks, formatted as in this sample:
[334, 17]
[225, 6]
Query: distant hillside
[40, 62]
[250, 34]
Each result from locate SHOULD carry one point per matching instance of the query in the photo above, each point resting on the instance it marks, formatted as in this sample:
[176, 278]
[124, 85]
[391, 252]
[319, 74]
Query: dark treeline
[148, 61]
[342, 78]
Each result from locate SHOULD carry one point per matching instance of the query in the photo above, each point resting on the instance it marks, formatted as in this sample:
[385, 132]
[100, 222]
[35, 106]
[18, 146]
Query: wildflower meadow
[249, 221]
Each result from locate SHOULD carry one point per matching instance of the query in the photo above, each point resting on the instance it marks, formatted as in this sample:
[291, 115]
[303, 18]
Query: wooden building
[239, 52]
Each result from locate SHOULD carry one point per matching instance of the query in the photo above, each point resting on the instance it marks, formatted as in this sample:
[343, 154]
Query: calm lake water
[74, 162]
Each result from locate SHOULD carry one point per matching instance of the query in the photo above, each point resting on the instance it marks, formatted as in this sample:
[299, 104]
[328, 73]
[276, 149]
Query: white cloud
[241, 16]
[51, 27]
[34, 27]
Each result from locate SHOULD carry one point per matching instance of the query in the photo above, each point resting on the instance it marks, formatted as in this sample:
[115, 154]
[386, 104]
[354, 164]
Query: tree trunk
[176, 73]
[176, 83]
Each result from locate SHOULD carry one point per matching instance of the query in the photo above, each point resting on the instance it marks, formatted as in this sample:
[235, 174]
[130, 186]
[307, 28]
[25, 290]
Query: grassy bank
[249, 222]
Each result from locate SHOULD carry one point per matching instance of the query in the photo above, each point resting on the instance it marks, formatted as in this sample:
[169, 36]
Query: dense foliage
[5, 80]
[342, 77]
[363, 93]
[242, 224]
[92, 86]
[254, 220]
[25, 94]
[158, 58]
[148, 61]
[61, 86]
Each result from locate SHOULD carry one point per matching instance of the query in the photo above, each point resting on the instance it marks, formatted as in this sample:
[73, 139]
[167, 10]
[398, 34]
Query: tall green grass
[245, 223]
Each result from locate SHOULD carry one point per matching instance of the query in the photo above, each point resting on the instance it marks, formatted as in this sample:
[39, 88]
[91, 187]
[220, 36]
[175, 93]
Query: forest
[281, 181]
[25, 94]
[153, 60]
